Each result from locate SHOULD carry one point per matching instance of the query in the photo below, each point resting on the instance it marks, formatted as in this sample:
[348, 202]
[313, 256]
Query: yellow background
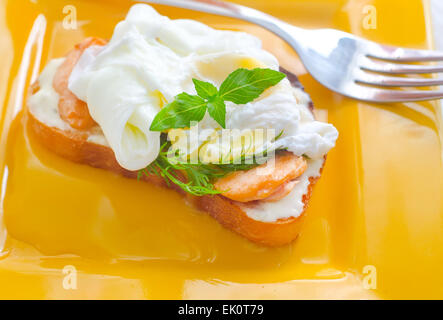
[379, 202]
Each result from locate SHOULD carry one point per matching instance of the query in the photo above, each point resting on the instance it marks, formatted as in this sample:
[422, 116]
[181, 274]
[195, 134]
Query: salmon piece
[73, 110]
[262, 181]
[281, 192]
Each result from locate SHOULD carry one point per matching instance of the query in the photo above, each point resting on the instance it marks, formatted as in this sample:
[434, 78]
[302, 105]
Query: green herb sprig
[240, 87]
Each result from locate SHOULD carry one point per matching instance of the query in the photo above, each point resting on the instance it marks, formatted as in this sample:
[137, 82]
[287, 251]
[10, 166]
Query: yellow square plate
[373, 229]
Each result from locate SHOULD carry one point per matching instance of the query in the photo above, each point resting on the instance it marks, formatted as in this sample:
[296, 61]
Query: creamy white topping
[43, 104]
[290, 206]
[151, 57]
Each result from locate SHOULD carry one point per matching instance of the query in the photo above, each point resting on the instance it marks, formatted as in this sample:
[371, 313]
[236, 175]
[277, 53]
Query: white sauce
[290, 206]
[43, 104]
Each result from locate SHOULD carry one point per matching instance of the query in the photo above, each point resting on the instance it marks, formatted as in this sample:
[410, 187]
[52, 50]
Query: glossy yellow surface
[379, 202]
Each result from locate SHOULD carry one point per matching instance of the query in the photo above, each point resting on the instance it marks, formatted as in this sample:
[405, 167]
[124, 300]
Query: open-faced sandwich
[179, 104]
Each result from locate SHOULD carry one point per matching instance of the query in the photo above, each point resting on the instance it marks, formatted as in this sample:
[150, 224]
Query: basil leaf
[217, 110]
[179, 113]
[240, 87]
[243, 85]
[204, 89]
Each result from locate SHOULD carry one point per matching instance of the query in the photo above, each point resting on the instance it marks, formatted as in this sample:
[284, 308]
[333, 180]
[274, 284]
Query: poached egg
[151, 58]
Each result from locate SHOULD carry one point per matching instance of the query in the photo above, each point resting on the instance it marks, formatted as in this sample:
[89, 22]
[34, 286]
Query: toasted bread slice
[75, 145]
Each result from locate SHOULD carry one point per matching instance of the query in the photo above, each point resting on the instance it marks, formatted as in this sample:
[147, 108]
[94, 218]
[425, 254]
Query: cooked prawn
[263, 181]
[73, 110]
[281, 191]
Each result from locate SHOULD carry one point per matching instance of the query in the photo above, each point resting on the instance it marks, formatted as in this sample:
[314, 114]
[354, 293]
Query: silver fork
[342, 62]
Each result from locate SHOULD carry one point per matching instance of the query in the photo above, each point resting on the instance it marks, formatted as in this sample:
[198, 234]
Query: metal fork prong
[393, 68]
[386, 95]
[403, 55]
[386, 81]
[416, 95]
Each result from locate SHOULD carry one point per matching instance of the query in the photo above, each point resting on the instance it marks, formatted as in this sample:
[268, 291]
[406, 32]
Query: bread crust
[73, 145]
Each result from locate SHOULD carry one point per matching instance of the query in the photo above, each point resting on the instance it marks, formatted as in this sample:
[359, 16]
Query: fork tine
[387, 96]
[393, 68]
[386, 81]
[402, 54]
[401, 96]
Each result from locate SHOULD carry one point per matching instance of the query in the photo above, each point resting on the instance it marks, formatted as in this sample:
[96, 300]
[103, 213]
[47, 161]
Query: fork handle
[282, 29]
